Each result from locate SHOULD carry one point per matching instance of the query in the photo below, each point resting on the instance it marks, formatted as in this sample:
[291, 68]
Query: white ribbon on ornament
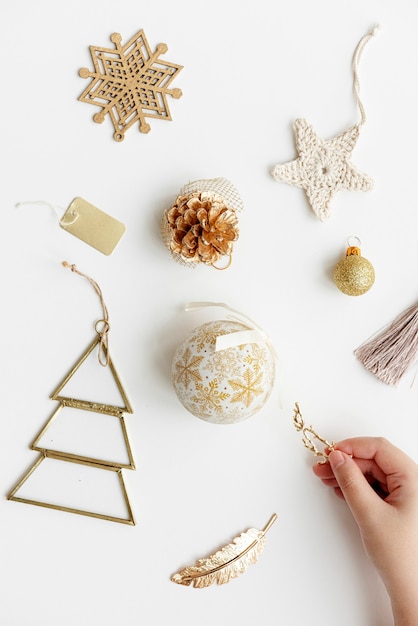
[254, 334]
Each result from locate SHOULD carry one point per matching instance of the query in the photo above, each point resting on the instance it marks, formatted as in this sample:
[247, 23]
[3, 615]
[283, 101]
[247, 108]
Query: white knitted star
[323, 167]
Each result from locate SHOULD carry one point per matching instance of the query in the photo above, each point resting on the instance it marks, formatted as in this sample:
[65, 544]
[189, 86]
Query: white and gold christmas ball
[227, 385]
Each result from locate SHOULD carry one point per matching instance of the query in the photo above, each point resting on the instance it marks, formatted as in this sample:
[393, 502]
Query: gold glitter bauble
[354, 275]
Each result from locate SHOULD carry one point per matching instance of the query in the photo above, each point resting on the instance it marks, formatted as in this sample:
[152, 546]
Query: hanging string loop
[356, 60]
[102, 326]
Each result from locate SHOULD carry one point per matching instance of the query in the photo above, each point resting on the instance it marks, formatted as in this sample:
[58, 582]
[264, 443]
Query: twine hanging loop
[102, 326]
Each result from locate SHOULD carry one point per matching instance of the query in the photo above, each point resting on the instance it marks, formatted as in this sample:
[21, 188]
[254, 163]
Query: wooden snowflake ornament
[130, 83]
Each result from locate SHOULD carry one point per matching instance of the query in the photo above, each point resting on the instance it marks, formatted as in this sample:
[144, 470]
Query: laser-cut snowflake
[130, 83]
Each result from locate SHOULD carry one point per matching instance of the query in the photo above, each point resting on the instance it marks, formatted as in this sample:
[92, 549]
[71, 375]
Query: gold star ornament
[323, 167]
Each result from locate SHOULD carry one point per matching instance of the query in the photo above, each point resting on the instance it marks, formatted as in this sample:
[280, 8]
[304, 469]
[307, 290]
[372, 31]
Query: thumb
[358, 494]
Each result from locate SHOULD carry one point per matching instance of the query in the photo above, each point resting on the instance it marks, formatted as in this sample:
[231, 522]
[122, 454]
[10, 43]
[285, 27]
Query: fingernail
[336, 458]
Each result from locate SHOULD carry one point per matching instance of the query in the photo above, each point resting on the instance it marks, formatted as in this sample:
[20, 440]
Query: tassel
[389, 355]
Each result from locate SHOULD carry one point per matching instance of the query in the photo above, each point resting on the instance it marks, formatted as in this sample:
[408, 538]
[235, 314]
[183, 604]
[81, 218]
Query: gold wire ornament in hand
[309, 434]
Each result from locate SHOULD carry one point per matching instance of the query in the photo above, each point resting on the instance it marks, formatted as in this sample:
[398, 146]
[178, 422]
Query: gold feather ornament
[228, 562]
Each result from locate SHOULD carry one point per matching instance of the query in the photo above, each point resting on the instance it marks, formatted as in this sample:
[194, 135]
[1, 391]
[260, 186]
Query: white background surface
[250, 69]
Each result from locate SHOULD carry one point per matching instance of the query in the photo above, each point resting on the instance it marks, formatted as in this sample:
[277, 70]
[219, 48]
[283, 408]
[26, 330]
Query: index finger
[387, 456]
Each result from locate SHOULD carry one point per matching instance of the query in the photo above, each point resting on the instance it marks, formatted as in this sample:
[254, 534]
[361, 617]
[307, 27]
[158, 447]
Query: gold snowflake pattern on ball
[257, 359]
[206, 336]
[130, 83]
[209, 397]
[247, 388]
[224, 363]
[187, 370]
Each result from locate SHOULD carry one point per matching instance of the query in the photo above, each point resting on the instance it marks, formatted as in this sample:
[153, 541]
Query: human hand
[379, 482]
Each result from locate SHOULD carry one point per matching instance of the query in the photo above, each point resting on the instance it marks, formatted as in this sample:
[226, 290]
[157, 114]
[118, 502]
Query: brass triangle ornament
[89, 405]
[90, 462]
[94, 460]
[48, 454]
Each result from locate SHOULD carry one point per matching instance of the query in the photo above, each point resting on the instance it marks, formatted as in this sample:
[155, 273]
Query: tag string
[356, 60]
[103, 332]
[63, 219]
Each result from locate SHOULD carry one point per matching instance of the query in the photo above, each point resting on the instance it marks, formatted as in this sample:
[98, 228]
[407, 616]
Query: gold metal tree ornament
[228, 562]
[130, 83]
[115, 411]
[310, 435]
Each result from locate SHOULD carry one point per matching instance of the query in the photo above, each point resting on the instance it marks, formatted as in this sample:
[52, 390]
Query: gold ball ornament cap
[354, 275]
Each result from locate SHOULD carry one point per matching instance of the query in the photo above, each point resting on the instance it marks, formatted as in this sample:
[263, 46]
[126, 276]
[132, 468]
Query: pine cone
[200, 227]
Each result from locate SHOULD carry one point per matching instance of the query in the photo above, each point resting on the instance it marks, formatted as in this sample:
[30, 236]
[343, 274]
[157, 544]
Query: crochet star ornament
[130, 83]
[323, 168]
